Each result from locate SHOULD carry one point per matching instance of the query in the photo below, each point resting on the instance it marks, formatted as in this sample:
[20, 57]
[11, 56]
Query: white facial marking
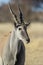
[21, 33]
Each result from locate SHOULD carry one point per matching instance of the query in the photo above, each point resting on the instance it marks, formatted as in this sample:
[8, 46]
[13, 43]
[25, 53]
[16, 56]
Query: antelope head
[20, 27]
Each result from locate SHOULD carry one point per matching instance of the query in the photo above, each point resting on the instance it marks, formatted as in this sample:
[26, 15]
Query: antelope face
[21, 33]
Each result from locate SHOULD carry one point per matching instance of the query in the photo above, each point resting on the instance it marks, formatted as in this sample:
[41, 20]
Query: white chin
[24, 41]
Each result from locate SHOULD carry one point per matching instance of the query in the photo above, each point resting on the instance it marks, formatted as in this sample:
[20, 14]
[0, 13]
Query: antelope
[18, 34]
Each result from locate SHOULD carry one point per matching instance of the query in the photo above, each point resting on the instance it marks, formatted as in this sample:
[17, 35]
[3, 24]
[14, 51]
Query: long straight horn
[21, 16]
[13, 14]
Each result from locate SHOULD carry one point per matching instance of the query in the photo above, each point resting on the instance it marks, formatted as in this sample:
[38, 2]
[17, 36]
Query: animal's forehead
[21, 26]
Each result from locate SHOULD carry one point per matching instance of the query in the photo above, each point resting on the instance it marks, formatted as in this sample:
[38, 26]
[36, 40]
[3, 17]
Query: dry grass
[34, 50]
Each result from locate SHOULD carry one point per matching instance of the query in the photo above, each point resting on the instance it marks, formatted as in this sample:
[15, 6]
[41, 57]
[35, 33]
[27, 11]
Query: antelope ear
[16, 25]
[27, 24]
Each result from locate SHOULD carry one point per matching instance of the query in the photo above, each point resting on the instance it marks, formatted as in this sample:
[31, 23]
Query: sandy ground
[33, 50]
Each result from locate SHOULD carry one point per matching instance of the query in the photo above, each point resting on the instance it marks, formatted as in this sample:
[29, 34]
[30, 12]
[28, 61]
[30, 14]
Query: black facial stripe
[26, 31]
[22, 33]
[25, 27]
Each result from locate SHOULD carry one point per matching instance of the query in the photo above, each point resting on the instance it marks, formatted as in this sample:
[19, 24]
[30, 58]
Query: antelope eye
[20, 28]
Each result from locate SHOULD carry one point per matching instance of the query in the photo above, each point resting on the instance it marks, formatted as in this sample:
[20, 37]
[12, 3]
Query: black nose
[28, 40]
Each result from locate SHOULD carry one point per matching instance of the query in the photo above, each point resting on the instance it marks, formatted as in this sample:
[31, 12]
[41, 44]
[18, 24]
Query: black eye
[19, 28]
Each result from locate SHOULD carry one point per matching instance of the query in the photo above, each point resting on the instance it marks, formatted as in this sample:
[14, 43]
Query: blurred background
[32, 12]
